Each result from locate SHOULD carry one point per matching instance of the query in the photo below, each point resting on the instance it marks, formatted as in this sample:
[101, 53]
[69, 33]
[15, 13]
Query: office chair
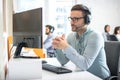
[9, 45]
[113, 38]
[112, 49]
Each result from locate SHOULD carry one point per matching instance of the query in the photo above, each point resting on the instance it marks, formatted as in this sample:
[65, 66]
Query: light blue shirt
[87, 52]
[48, 43]
[104, 34]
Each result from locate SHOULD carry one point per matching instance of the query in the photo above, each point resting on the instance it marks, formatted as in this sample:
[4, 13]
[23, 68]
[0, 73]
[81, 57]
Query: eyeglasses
[74, 19]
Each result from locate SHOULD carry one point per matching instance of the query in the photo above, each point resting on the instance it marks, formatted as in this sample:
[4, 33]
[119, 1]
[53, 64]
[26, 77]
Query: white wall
[2, 41]
[24, 5]
[103, 12]
[5, 30]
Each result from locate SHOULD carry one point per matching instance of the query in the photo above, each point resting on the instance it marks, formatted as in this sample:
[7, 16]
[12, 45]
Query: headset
[85, 10]
[51, 28]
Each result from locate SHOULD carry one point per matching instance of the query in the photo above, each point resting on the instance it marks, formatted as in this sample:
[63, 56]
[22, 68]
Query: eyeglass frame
[74, 19]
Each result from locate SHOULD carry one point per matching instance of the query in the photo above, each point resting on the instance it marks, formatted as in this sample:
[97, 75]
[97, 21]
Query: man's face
[47, 30]
[77, 20]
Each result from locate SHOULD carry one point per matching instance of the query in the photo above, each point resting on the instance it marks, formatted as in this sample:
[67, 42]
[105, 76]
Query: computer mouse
[43, 61]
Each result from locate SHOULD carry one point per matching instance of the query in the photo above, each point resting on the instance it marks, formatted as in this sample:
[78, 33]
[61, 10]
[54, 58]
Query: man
[84, 46]
[48, 42]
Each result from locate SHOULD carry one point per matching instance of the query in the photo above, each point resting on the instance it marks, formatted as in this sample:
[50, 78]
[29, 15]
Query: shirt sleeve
[47, 44]
[104, 36]
[61, 57]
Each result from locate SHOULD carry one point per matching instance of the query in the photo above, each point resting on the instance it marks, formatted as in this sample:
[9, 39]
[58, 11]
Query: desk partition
[24, 69]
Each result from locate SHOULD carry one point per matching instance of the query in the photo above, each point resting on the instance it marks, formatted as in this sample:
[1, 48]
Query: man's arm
[61, 57]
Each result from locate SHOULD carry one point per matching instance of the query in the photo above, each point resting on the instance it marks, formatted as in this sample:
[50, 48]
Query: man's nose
[72, 22]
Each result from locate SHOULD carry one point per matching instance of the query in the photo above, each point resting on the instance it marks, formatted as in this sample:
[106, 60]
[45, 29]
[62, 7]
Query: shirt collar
[86, 32]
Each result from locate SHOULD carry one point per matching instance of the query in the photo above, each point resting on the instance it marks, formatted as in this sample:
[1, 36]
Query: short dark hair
[84, 9]
[51, 28]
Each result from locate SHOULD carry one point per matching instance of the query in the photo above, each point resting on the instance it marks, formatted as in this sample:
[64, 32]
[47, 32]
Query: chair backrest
[9, 45]
[113, 38]
[112, 49]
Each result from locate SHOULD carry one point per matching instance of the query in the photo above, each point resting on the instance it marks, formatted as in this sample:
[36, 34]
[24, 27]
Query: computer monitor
[27, 27]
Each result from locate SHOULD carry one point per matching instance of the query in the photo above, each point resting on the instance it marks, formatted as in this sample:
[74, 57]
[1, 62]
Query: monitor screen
[27, 27]
[28, 21]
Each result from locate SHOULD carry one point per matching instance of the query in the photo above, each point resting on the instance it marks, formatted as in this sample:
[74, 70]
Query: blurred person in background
[106, 34]
[117, 32]
[48, 42]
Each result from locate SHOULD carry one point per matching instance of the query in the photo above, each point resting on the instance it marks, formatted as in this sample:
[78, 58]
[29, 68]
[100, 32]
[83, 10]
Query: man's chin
[74, 30]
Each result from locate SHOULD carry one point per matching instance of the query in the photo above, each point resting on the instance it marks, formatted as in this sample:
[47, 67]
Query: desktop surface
[76, 73]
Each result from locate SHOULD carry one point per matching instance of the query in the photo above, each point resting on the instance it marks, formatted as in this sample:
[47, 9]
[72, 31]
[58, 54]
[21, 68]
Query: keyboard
[55, 69]
[43, 61]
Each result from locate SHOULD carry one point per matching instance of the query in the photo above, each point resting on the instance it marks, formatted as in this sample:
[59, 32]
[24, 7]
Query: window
[62, 12]
[56, 15]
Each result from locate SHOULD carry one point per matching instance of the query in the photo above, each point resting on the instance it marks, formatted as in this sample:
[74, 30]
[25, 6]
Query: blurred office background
[55, 12]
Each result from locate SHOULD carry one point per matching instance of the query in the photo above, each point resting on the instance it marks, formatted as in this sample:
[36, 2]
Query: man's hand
[60, 42]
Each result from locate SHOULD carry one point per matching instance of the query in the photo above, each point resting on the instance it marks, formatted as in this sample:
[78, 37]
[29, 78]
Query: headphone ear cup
[87, 19]
[52, 29]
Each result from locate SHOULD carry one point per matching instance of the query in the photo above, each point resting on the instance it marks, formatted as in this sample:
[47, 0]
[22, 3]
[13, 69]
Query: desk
[75, 75]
